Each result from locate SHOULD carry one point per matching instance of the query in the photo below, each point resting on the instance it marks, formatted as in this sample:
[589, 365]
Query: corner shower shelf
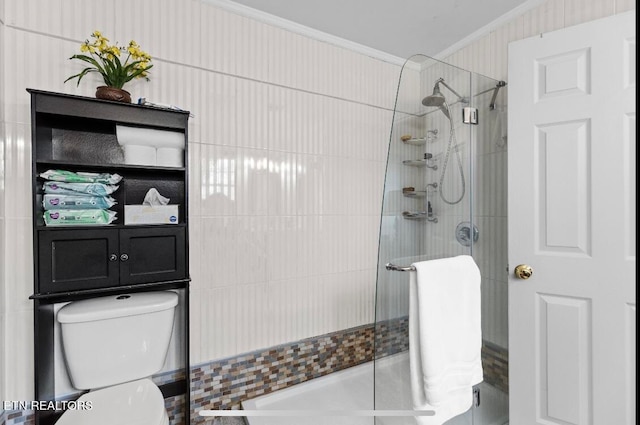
[415, 194]
[419, 163]
[415, 162]
[419, 141]
[415, 142]
[419, 216]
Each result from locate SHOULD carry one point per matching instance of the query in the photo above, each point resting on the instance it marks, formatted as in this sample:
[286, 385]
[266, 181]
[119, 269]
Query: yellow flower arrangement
[104, 59]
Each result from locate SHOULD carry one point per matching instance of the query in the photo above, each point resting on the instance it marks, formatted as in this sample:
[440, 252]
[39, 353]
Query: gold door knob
[523, 271]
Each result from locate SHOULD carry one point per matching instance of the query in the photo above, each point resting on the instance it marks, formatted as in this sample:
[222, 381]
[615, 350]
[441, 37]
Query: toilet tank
[120, 338]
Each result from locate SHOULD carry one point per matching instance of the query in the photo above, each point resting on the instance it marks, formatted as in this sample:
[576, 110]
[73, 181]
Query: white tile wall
[18, 264]
[18, 355]
[549, 16]
[625, 5]
[579, 11]
[287, 152]
[17, 170]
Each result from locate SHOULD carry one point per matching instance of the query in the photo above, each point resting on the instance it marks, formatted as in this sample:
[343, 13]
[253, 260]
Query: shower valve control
[466, 233]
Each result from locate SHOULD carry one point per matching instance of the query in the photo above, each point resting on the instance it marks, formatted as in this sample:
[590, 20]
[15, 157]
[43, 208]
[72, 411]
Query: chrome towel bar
[391, 266]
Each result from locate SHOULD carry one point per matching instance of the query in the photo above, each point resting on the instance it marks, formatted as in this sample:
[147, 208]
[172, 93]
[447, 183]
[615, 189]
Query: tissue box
[151, 214]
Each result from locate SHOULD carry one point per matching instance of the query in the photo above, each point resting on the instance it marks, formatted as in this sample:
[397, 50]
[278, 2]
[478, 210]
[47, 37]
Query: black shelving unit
[79, 262]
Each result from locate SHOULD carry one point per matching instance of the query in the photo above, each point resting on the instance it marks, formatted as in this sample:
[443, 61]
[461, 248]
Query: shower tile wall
[287, 153]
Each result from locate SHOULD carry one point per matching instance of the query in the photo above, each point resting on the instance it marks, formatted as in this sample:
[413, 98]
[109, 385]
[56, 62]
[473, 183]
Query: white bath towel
[445, 336]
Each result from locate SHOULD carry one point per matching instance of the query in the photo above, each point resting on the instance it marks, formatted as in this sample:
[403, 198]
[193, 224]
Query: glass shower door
[428, 209]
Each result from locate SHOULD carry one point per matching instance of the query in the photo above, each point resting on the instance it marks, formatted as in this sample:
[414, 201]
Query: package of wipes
[84, 202]
[65, 188]
[78, 217]
[80, 177]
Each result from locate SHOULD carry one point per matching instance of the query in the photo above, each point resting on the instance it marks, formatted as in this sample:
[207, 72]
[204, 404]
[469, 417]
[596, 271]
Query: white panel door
[572, 197]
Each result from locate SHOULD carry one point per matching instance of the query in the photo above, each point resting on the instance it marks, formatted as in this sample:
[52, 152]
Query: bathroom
[287, 160]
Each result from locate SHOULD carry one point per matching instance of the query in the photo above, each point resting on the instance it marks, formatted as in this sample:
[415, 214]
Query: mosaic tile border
[168, 377]
[495, 364]
[392, 336]
[226, 383]
[175, 409]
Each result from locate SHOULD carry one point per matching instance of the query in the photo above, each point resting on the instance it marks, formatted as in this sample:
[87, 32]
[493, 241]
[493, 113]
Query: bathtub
[353, 389]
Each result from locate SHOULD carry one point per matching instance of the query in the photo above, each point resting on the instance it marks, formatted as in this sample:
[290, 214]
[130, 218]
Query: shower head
[436, 98]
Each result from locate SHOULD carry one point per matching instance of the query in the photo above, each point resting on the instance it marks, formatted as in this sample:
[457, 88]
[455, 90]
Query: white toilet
[112, 345]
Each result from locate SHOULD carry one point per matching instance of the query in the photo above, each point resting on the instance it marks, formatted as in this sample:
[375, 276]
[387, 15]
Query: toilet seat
[133, 403]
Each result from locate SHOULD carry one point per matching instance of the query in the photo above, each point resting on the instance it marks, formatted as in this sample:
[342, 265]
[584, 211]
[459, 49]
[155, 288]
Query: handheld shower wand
[437, 99]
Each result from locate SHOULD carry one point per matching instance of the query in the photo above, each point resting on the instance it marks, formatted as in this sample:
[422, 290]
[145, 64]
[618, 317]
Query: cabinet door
[72, 260]
[152, 254]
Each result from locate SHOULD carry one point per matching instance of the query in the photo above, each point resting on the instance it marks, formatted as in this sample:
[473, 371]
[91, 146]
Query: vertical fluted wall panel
[44, 68]
[579, 11]
[80, 18]
[481, 58]
[217, 307]
[18, 355]
[625, 5]
[35, 16]
[167, 29]
[549, 16]
[254, 317]
[500, 39]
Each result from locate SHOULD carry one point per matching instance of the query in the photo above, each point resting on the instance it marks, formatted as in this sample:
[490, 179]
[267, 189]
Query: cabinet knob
[113, 257]
[124, 257]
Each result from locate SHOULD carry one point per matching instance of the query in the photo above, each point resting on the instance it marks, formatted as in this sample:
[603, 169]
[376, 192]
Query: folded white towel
[445, 337]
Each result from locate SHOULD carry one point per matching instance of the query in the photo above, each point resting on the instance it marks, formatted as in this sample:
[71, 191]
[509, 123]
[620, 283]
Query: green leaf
[81, 74]
[91, 61]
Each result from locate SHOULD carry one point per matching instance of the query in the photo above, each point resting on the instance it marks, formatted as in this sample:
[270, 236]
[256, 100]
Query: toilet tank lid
[115, 306]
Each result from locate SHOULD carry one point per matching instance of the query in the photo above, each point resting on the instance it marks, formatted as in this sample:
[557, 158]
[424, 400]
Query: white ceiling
[398, 27]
